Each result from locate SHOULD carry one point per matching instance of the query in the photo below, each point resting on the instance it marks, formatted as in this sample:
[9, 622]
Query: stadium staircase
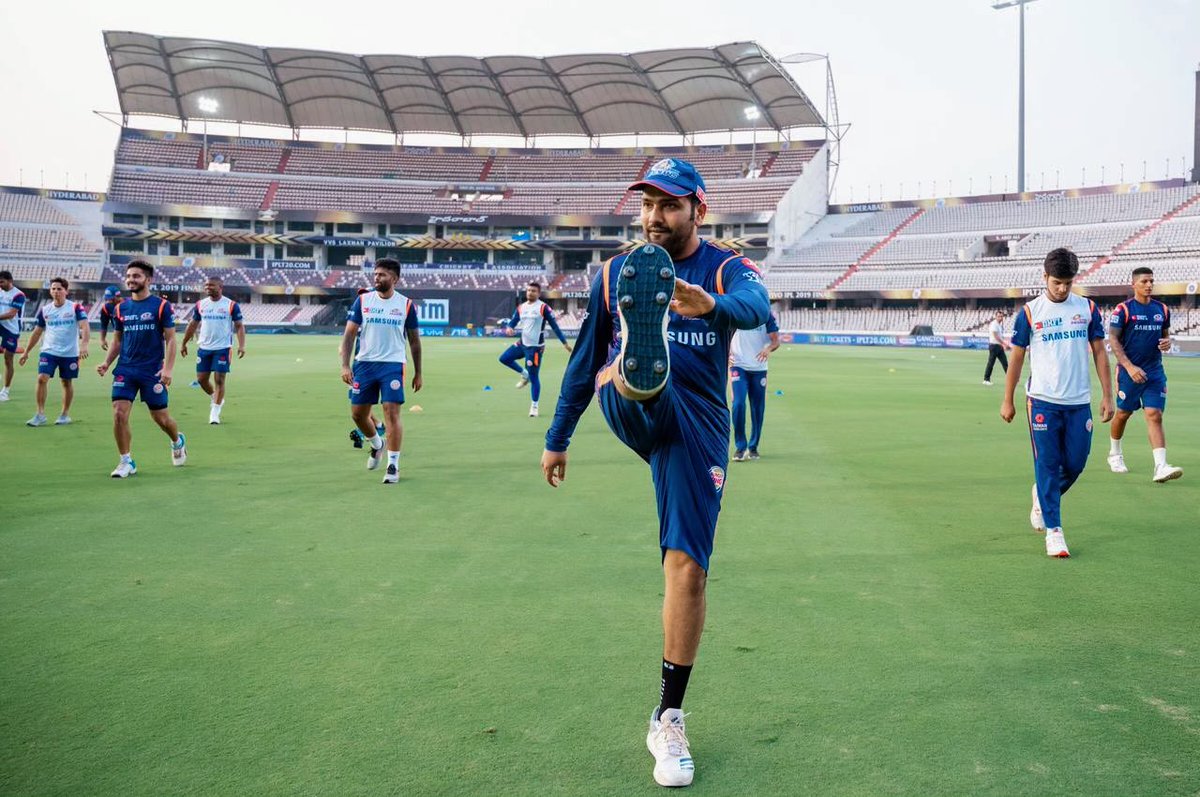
[291, 316]
[269, 197]
[487, 168]
[766, 169]
[867, 255]
[620, 208]
[284, 157]
[1142, 233]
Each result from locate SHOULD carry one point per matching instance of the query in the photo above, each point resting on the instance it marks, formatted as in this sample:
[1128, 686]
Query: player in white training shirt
[748, 353]
[62, 323]
[218, 319]
[381, 320]
[529, 321]
[1061, 331]
[12, 302]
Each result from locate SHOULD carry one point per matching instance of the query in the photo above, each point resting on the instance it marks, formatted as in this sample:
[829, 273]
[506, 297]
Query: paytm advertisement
[433, 312]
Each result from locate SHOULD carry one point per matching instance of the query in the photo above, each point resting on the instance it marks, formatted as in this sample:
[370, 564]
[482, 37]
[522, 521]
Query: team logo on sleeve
[718, 477]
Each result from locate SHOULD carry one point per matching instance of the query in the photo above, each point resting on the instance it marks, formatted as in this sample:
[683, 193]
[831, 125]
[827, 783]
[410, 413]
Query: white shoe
[392, 476]
[523, 381]
[36, 420]
[533, 410]
[374, 458]
[987, 382]
[63, 420]
[214, 416]
[668, 743]
[179, 451]
[125, 470]
[1056, 545]
[1116, 463]
[1035, 513]
[1165, 473]
[4, 394]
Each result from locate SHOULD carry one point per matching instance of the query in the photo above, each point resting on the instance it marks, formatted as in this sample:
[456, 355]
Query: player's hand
[1007, 411]
[102, 369]
[164, 376]
[1106, 410]
[567, 346]
[510, 332]
[1164, 344]
[554, 467]
[24, 358]
[183, 350]
[347, 375]
[691, 301]
[763, 355]
[1137, 374]
[417, 382]
[241, 353]
[83, 353]
[104, 345]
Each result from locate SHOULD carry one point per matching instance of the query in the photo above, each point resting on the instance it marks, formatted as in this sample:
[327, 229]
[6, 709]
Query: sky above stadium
[929, 87]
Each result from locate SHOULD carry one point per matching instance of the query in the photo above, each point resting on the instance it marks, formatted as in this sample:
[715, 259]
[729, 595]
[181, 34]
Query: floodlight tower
[207, 106]
[753, 114]
[999, 4]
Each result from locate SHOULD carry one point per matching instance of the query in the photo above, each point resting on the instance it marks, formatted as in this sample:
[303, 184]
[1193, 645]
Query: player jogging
[62, 323]
[380, 320]
[654, 350]
[12, 302]
[1058, 329]
[144, 340]
[1138, 334]
[748, 376]
[218, 318]
[112, 298]
[530, 320]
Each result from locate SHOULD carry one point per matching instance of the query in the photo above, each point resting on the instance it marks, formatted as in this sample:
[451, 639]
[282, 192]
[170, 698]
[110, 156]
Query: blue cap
[111, 291]
[675, 177]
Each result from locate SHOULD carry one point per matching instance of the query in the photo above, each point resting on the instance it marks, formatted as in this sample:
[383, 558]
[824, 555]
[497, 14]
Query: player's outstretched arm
[1008, 409]
[548, 314]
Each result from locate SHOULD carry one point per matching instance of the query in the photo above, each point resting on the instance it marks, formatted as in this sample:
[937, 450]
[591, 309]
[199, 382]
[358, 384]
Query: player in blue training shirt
[748, 376]
[1139, 333]
[381, 320]
[144, 340]
[529, 321]
[12, 303]
[654, 350]
[63, 323]
[1060, 330]
[112, 298]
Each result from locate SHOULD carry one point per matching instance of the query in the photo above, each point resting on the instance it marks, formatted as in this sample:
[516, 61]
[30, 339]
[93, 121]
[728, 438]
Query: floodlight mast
[998, 5]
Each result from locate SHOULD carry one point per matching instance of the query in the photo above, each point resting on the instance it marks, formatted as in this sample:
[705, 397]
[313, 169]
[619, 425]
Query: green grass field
[271, 620]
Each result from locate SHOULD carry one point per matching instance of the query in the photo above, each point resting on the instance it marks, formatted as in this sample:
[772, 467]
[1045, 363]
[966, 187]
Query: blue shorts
[9, 341]
[377, 383]
[686, 443]
[127, 384]
[1151, 394]
[67, 367]
[212, 361]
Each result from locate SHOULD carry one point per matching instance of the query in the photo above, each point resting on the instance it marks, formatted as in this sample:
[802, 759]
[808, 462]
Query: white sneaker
[1056, 545]
[374, 458]
[1116, 463]
[987, 382]
[1165, 473]
[3, 394]
[392, 476]
[63, 420]
[523, 381]
[533, 410]
[179, 451]
[1035, 513]
[125, 470]
[214, 416]
[37, 420]
[668, 743]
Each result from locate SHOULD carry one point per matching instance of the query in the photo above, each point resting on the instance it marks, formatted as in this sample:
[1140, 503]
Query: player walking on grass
[1139, 333]
[144, 340]
[380, 320]
[996, 347]
[529, 320]
[748, 376]
[12, 302]
[1058, 329]
[218, 319]
[62, 323]
[356, 437]
[112, 298]
[654, 350]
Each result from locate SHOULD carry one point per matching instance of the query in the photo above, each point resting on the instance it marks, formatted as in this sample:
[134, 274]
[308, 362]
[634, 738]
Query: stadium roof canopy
[683, 92]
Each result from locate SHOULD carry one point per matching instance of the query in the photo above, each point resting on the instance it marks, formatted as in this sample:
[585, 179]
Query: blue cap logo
[674, 177]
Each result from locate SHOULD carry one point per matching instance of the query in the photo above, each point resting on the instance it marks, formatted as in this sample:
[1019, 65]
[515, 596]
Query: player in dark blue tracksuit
[671, 411]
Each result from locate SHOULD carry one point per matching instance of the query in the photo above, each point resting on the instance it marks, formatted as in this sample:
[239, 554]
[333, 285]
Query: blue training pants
[1062, 439]
[752, 385]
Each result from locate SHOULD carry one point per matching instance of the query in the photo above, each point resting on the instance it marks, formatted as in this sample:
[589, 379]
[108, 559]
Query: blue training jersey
[1139, 327]
[108, 315]
[142, 325]
[699, 347]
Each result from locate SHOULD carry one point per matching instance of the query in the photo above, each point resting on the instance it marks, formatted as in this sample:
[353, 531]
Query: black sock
[674, 684]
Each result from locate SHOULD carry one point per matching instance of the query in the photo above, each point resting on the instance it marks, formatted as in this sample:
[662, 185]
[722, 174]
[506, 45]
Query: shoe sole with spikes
[645, 285]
